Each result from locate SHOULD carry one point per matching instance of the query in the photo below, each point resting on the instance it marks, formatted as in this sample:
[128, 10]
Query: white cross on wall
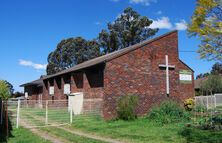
[167, 66]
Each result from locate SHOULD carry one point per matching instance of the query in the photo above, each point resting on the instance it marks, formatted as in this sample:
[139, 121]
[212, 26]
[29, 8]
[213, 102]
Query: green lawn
[22, 135]
[145, 131]
[140, 130]
[194, 135]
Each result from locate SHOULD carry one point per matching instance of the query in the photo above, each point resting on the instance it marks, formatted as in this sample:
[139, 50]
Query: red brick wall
[79, 83]
[138, 73]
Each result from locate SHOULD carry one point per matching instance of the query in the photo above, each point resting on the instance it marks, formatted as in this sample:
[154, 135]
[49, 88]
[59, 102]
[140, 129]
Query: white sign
[51, 90]
[26, 95]
[67, 89]
[185, 76]
[76, 102]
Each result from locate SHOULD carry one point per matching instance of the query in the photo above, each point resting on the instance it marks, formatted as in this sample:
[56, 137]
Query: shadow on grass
[194, 135]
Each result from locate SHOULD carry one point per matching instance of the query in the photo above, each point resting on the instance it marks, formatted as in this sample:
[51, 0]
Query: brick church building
[150, 70]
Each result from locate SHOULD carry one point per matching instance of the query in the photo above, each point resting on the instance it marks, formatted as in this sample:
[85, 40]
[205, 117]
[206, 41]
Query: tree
[70, 52]
[4, 90]
[10, 86]
[128, 29]
[202, 75]
[212, 85]
[206, 24]
[217, 68]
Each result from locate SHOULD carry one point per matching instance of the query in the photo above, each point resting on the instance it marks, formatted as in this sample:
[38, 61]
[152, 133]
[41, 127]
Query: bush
[213, 123]
[189, 104]
[126, 107]
[168, 112]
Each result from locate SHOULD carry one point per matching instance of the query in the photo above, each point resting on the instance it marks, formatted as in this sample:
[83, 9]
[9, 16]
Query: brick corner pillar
[86, 86]
[63, 96]
[58, 88]
[45, 89]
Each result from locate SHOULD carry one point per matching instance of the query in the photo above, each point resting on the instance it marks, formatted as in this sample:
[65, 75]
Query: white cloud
[31, 64]
[162, 23]
[182, 25]
[143, 2]
[159, 12]
[165, 23]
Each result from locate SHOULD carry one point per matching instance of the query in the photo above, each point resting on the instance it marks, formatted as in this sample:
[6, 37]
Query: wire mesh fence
[209, 102]
[12, 112]
[33, 113]
[208, 108]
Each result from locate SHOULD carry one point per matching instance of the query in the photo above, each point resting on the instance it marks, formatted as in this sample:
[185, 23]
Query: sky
[31, 29]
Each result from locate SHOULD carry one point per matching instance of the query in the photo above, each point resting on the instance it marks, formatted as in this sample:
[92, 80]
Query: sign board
[26, 95]
[66, 89]
[76, 102]
[51, 90]
[185, 76]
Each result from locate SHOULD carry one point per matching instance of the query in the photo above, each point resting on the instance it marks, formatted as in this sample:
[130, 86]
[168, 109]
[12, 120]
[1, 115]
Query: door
[76, 103]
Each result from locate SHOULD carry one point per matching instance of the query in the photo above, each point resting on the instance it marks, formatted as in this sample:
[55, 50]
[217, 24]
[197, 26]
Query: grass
[22, 135]
[194, 135]
[144, 131]
[140, 130]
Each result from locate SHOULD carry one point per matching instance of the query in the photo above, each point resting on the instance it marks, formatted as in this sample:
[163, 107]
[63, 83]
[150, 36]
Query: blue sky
[30, 29]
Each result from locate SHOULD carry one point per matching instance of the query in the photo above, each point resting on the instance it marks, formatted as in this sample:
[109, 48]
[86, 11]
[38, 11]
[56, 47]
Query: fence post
[6, 116]
[1, 112]
[215, 102]
[46, 112]
[18, 114]
[71, 114]
[195, 109]
[207, 102]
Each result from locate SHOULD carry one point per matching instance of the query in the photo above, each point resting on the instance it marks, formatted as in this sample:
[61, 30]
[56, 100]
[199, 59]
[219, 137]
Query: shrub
[211, 123]
[126, 107]
[189, 104]
[168, 112]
